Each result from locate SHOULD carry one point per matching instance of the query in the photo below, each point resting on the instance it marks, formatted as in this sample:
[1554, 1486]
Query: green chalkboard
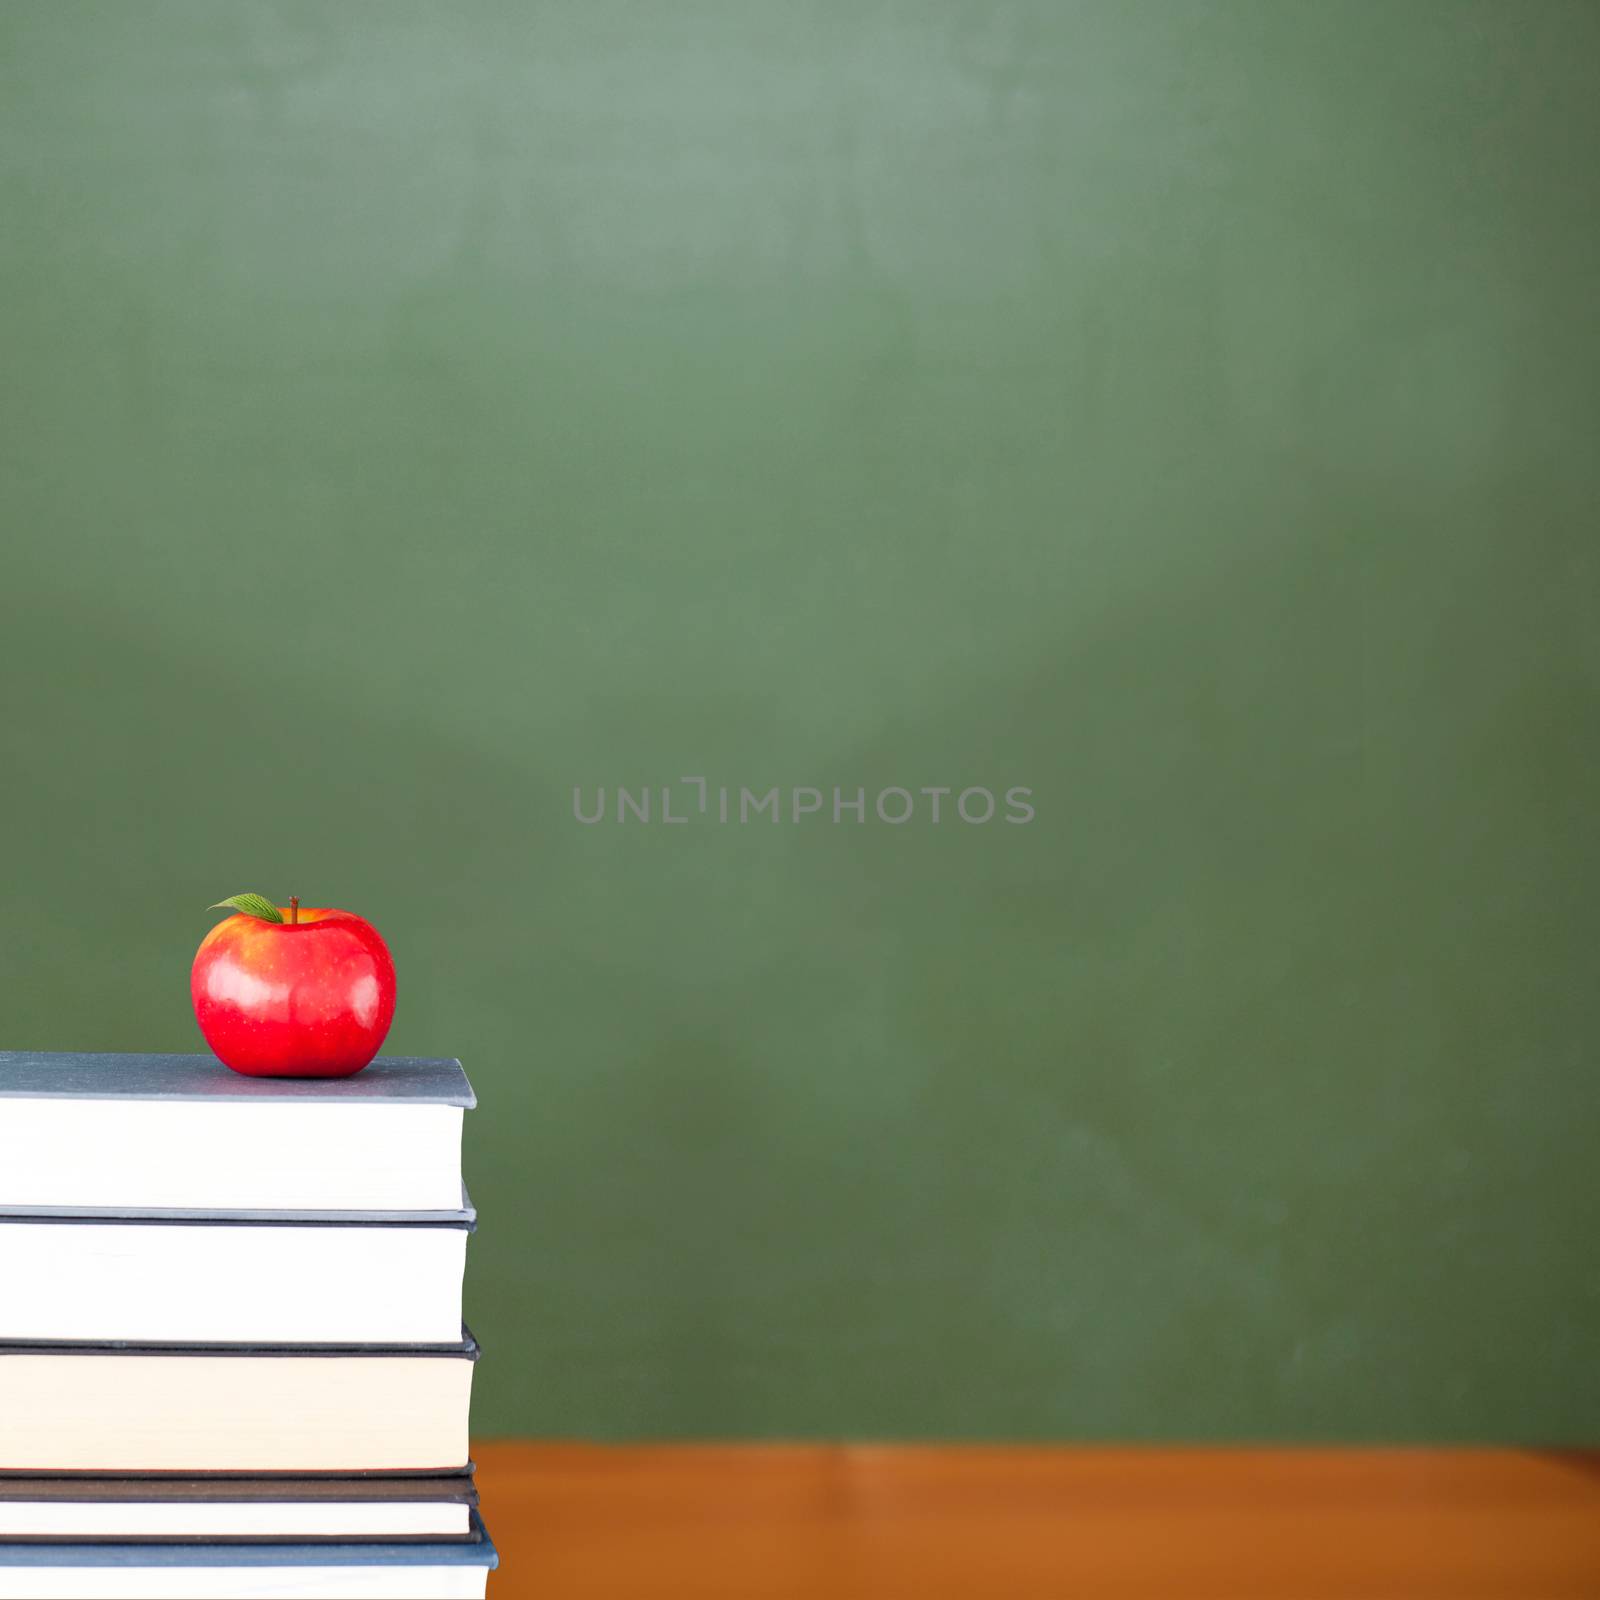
[1184, 411]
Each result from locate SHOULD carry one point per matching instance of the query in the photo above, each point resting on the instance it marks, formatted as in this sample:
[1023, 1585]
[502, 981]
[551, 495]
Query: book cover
[112, 1075]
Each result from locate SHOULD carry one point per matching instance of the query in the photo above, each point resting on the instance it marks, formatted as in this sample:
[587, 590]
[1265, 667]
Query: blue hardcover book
[123, 1510]
[163, 1133]
[404, 1571]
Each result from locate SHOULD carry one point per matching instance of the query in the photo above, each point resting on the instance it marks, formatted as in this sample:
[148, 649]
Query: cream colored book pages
[200, 1413]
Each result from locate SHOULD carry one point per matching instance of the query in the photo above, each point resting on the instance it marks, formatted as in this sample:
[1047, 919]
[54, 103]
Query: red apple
[292, 992]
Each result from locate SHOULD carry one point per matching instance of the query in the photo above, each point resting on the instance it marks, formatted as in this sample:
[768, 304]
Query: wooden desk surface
[771, 1522]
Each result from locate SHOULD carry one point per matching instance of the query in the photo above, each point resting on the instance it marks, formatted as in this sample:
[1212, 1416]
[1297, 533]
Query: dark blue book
[403, 1571]
[165, 1133]
[217, 1509]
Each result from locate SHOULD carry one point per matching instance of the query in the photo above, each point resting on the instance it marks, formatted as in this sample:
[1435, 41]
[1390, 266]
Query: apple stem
[294, 909]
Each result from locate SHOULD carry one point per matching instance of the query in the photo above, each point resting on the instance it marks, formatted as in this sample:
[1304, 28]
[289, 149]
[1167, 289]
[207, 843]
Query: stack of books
[232, 1360]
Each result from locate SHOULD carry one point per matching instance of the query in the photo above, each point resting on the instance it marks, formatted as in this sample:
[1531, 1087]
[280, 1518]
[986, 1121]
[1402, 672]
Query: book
[324, 1214]
[79, 1509]
[185, 1409]
[182, 1132]
[208, 1279]
[457, 1570]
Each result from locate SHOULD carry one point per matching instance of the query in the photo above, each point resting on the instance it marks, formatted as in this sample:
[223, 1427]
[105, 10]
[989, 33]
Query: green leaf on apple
[252, 905]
